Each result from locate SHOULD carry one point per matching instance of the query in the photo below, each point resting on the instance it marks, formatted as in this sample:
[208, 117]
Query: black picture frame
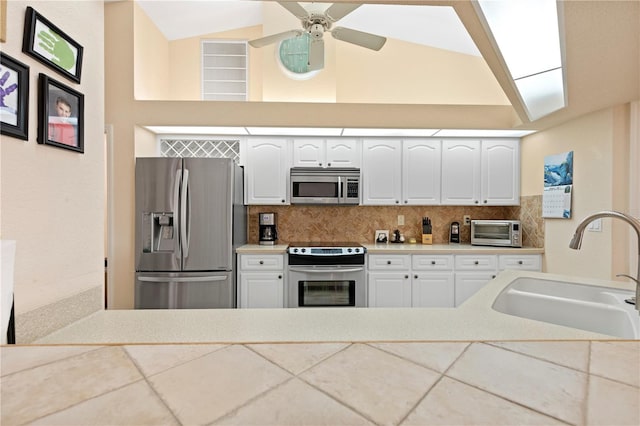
[50, 45]
[60, 115]
[14, 98]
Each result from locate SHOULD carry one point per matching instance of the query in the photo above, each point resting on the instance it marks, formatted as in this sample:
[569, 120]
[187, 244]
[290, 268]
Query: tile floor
[421, 383]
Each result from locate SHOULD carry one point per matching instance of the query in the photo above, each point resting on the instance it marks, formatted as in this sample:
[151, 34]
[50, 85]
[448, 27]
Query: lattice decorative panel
[200, 148]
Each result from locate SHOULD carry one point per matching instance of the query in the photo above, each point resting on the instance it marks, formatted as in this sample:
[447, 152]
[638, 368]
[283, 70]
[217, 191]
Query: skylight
[527, 36]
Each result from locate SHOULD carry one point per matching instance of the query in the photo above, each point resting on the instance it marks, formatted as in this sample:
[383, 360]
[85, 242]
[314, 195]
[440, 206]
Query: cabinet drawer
[389, 262]
[474, 263]
[257, 262]
[432, 263]
[531, 262]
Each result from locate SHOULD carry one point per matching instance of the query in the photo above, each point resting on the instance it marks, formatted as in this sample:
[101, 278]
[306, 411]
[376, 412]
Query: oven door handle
[324, 271]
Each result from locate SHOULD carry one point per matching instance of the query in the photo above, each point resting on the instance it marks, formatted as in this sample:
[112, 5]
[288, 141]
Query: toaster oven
[502, 233]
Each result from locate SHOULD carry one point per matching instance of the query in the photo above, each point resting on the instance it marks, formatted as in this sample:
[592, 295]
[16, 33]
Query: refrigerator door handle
[182, 279]
[176, 197]
[185, 219]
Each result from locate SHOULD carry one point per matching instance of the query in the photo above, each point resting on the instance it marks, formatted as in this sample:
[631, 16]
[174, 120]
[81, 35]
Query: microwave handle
[340, 200]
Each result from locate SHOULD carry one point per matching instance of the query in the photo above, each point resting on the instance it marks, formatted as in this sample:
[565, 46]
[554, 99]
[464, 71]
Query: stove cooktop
[325, 244]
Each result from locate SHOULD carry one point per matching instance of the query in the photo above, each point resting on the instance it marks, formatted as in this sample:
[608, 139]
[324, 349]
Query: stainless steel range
[327, 275]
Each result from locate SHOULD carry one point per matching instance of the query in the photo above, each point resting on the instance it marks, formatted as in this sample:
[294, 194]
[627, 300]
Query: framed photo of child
[60, 115]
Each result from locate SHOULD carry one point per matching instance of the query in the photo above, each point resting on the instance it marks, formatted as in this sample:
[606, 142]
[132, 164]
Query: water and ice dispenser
[159, 232]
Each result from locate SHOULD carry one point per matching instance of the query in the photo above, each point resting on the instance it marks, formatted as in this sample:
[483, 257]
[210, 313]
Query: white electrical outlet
[400, 219]
[467, 219]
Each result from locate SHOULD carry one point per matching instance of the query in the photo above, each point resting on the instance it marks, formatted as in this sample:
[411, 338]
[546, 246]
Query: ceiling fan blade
[339, 10]
[274, 38]
[316, 54]
[295, 8]
[368, 40]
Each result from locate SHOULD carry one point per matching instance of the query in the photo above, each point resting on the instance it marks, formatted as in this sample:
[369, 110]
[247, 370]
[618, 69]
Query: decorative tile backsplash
[359, 223]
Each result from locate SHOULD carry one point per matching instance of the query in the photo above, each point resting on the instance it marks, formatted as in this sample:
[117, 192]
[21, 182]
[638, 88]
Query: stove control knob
[295, 250]
[349, 250]
[303, 250]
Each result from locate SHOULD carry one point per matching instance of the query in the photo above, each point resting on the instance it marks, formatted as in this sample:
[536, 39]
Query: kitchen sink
[586, 307]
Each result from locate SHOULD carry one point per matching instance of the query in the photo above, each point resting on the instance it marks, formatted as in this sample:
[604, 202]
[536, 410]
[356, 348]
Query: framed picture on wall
[60, 115]
[14, 98]
[50, 45]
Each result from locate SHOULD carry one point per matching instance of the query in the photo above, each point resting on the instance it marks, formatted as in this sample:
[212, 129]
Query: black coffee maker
[268, 230]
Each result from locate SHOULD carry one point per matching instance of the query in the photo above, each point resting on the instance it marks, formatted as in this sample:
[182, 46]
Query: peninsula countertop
[473, 320]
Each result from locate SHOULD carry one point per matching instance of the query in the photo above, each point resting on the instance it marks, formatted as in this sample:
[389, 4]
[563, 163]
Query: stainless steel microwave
[503, 233]
[315, 185]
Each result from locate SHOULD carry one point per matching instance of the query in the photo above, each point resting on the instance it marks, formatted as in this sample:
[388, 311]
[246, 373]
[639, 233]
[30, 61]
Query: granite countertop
[473, 320]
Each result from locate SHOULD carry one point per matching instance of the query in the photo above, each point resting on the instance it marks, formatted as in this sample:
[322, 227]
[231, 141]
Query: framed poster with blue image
[14, 98]
[50, 45]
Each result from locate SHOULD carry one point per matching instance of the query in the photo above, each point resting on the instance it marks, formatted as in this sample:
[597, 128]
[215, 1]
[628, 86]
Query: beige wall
[600, 145]
[151, 71]
[53, 199]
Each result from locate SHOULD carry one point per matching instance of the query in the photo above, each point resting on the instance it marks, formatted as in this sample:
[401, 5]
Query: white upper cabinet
[266, 171]
[381, 172]
[333, 152]
[421, 172]
[500, 172]
[460, 172]
[481, 172]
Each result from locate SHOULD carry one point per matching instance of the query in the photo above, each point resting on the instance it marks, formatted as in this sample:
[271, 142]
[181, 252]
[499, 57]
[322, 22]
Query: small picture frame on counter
[382, 237]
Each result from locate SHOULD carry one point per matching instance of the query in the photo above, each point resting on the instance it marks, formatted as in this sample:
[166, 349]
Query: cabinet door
[266, 171]
[381, 172]
[432, 290]
[308, 152]
[261, 290]
[389, 290]
[342, 153]
[468, 283]
[421, 172]
[500, 167]
[460, 172]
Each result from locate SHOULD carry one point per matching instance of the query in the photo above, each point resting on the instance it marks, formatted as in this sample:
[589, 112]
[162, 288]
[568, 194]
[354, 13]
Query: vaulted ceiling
[601, 40]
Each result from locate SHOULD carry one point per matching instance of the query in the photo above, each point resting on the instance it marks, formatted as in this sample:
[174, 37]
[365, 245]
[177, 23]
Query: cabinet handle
[262, 262]
[406, 201]
[415, 276]
[328, 164]
[520, 262]
[485, 201]
[476, 201]
[406, 277]
[433, 262]
[319, 164]
[476, 263]
[493, 276]
[283, 201]
[397, 202]
[388, 262]
[279, 277]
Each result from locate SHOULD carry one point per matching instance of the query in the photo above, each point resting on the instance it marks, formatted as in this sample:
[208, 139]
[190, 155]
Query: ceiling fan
[315, 24]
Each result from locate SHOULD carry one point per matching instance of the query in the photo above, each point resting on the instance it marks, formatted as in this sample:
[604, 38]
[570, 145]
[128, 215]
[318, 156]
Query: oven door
[326, 286]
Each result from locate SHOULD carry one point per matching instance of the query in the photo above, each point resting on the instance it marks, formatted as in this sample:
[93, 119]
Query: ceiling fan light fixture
[292, 56]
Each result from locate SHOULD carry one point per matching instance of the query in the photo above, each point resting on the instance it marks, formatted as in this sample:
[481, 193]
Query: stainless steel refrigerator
[190, 218]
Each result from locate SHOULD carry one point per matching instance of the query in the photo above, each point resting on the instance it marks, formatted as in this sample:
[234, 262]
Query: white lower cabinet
[410, 281]
[437, 281]
[261, 281]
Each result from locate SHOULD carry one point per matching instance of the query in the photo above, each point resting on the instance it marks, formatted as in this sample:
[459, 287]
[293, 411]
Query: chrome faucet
[576, 241]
